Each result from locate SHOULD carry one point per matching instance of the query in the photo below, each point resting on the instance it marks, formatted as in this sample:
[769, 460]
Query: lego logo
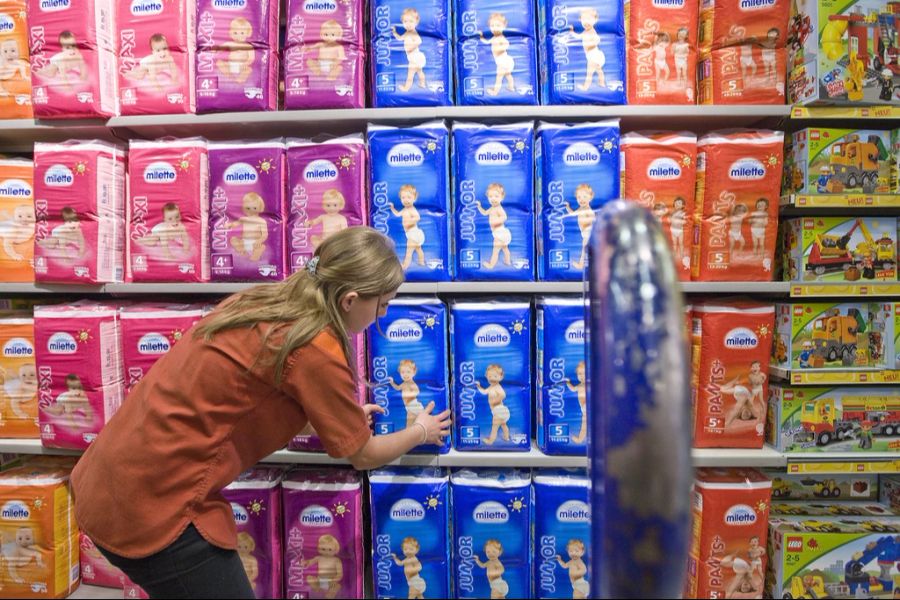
[795, 544]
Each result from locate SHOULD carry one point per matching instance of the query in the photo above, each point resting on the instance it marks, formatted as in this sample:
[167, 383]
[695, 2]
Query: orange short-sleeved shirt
[203, 414]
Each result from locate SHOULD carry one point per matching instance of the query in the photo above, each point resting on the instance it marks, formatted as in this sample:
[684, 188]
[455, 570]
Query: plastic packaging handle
[639, 409]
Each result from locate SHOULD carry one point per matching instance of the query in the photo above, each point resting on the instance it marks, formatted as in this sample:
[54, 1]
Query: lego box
[824, 336]
[842, 419]
[809, 486]
[889, 491]
[844, 52]
[837, 161]
[846, 249]
[839, 509]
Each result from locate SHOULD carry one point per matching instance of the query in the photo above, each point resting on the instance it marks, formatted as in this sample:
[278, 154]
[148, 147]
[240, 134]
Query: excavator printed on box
[830, 249]
[810, 486]
[840, 161]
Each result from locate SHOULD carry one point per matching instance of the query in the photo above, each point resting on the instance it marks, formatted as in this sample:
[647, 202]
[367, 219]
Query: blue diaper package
[561, 376]
[410, 181]
[491, 346]
[582, 51]
[494, 201]
[491, 533]
[411, 53]
[410, 526]
[562, 533]
[496, 52]
[408, 364]
[577, 167]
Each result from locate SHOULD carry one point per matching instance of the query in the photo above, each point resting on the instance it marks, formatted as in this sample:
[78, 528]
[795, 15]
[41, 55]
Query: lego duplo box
[835, 560]
[846, 249]
[822, 336]
[844, 52]
[889, 491]
[854, 510]
[834, 419]
[811, 486]
[838, 161]
[895, 347]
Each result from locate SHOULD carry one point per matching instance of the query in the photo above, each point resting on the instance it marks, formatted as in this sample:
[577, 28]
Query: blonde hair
[406, 187]
[496, 186]
[329, 539]
[497, 16]
[494, 368]
[495, 543]
[407, 363]
[334, 194]
[332, 25]
[411, 540]
[590, 11]
[255, 198]
[410, 11]
[247, 539]
[358, 259]
[575, 543]
[584, 186]
[240, 22]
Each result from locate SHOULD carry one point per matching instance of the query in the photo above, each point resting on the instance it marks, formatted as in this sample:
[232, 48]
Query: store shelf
[736, 457]
[881, 289]
[845, 112]
[836, 377]
[95, 591]
[844, 462]
[830, 201]
[319, 458]
[32, 446]
[18, 135]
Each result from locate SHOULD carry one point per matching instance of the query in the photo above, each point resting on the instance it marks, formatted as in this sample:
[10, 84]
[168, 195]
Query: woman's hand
[370, 409]
[437, 427]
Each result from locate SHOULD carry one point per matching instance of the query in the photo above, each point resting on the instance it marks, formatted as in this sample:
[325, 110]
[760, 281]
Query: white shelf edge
[780, 373]
[95, 591]
[736, 457]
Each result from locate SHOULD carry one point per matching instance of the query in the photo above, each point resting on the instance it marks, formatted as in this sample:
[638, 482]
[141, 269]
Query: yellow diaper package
[18, 377]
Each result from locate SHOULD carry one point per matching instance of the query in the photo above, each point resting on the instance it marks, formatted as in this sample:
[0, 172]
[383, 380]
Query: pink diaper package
[323, 551]
[150, 330]
[95, 569]
[156, 41]
[324, 54]
[79, 365]
[237, 55]
[326, 193]
[307, 442]
[247, 211]
[79, 212]
[73, 59]
[168, 216]
[255, 498]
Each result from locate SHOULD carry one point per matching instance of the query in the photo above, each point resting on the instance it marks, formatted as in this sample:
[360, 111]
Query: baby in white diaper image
[677, 223]
[331, 219]
[411, 45]
[72, 406]
[494, 569]
[241, 54]
[759, 221]
[415, 237]
[681, 49]
[576, 567]
[584, 195]
[497, 220]
[497, 23]
[412, 567]
[590, 41]
[68, 65]
[736, 220]
[496, 395]
[329, 568]
[20, 391]
[245, 547]
[67, 238]
[20, 553]
[330, 53]
[409, 391]
[157, 68]
[16, 229]
[581, 390]
[254, 230]
[169, 230]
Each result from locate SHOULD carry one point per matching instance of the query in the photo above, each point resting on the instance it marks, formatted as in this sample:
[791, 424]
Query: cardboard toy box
[834, 419]
[845, 249]
[822, 336]
[889, 491]
[895, 347]
[840, 560]
[811, 486]
[837, 161]
[844, 52]
[832, 509]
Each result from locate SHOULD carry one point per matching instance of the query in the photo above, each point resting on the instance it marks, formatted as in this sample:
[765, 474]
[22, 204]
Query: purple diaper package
[255, 498]
[247, 211]
[324, 54]
[237, 55]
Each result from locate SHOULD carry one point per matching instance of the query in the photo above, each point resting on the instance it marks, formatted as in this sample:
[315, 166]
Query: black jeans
[190, 567]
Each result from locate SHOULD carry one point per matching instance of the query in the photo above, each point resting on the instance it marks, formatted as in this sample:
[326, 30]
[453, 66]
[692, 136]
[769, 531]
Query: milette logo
[581, 154]
[746, 169]
[62, 343]
[140, 8]
[316, 516]
[404, 330]
[492, 336]
[15, 188]
[575, 333]
[160, 172]
[15, 510]
[664, 169]
[749, 5]
[153, 343]
[319, 7]
[7, 25]
[407, 510]
[490, 512]
[241, 174]
[229, 4]
[18, 348]
[320, 171]
[55, 5]
[493, 154]
[668, 3]
[59, 176]
[740, 515]
[405, 155]
[741, 338]
[573, 511]
[240, 514]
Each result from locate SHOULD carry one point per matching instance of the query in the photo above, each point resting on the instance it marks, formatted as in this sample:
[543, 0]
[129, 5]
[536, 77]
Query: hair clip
[312, 265]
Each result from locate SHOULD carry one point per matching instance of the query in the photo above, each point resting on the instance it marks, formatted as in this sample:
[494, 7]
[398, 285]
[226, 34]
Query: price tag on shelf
[849, 467]
[843, 200]
[851, 290]
[845, 112]
[842, 377]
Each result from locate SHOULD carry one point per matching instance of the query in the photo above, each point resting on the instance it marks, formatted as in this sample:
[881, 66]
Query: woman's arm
[382, 449]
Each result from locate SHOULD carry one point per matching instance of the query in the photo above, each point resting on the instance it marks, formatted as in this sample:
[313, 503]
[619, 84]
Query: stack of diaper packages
[156, 43]
[496, 52]
[408, 364]
[18, 376]
[168, 211]
[492, 376]
[149, 331]
[38, 533]
[410, 192]
[743, 55]
[247, 212]
[491, 543]
[410, 522]
[659, 172]
[326, 193]
[577, 172]
[79, 369]
[95, 568]
[562, 533]
[582, 52]
[255, 498]
[494, 201]
[15, 89]
[324, 54]
[662, 51]
[73, 58]
[561, 376]
[237, 55]
[323, 550]
[79, 206]
[17, 218]
[412, 53]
